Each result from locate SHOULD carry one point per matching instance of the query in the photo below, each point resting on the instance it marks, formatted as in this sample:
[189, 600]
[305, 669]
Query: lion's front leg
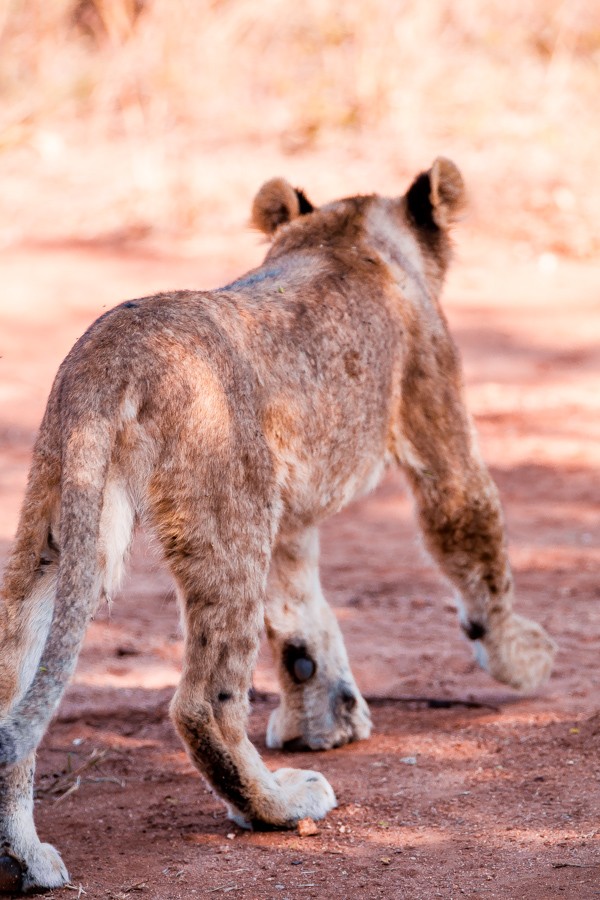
[321, 706]
[462, 522]
[464, 531]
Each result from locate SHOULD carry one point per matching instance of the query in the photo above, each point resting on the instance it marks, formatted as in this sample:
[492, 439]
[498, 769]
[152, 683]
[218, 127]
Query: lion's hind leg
[26, 624]
[25, 862]
[220, 565]
[223, 621]
[39, 644]
[321, 705]
[27, 609]
[29, 584]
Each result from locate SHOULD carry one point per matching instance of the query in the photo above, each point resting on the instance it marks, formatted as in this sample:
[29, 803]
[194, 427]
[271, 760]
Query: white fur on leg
[45, 868]
[38, 609]
[116, 529]
[481, 657]
[283, 726]
[41, 864]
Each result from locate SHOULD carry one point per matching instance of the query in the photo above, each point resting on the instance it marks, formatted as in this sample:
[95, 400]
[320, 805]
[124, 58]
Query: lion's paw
[43, 869]
[307, 794]
[328, 719]
[295, 794]
[520, 655]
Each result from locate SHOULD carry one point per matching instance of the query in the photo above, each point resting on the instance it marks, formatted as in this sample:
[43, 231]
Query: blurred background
[142, 120]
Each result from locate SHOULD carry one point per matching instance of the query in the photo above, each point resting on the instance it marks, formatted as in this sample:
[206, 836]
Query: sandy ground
[465, 789]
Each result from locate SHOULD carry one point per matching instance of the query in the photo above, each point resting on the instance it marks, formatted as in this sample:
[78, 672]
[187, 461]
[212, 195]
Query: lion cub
[231, 423]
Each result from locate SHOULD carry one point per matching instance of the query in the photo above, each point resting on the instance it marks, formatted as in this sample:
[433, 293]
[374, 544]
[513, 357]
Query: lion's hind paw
[43, 870]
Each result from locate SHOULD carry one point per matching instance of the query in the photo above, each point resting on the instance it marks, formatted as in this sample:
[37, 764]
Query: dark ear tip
[435, 198]
[418, 201]
[304, 203]
[275, 204]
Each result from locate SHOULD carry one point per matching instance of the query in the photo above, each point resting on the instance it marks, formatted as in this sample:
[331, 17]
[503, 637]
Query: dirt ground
[465, 789]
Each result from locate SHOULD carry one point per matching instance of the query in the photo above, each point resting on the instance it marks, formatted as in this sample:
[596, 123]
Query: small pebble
[307, 827]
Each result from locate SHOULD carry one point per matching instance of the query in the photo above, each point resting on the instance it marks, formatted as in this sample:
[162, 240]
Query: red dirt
[496, 796]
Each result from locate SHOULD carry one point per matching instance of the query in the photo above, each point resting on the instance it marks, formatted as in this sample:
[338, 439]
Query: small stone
[307, 827]
[386, 860]
[409, 760]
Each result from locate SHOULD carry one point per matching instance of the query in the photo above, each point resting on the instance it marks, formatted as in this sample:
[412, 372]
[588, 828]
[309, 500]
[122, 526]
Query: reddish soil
[465, 789]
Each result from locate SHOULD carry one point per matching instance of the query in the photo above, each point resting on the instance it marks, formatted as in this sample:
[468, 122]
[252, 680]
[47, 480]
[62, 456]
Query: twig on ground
[138, 886]
[74, 787]
[226, 888]
[109, 778]
[93, 759]
[570, 865]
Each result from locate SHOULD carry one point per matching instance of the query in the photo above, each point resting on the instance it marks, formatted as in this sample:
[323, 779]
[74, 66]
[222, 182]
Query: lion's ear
[437, 197]
[277, 203]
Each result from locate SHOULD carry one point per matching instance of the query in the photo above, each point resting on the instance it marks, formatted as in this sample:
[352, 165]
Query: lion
[231, 423]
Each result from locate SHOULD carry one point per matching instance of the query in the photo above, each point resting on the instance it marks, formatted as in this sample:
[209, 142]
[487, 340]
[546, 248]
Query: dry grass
[138, 116]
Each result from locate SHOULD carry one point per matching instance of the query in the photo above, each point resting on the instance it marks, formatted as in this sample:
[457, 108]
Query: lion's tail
[52, 584]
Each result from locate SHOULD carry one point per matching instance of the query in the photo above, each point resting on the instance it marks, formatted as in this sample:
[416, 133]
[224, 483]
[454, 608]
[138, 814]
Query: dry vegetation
[142, 118]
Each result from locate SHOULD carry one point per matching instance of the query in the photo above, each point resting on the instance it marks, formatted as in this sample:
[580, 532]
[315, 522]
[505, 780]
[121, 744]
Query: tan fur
[232, 423]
